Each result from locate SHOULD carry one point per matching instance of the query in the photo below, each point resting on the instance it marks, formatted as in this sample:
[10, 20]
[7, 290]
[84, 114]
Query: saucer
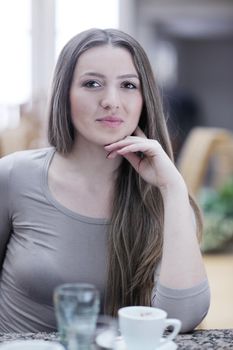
[104, 341]
[31, 344]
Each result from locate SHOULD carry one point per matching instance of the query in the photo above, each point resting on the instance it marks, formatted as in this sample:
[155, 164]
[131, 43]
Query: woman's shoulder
[22, 161]
[26, 156]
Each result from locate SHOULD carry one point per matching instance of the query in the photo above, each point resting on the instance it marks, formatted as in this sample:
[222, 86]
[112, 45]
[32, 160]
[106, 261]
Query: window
[24, 72]
[15, 59]
[73, 16]
[15, 43]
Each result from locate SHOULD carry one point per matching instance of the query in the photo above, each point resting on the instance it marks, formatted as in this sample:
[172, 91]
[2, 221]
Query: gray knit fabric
[43, 244]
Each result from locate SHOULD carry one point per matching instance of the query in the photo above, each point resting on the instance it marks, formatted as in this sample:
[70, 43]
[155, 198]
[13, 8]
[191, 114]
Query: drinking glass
[76, 309]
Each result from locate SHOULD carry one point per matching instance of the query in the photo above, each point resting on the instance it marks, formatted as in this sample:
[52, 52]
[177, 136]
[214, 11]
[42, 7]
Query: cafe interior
[190, 45]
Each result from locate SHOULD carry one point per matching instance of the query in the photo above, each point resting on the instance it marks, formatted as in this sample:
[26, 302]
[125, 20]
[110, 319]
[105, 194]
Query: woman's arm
[189, 305]
[182, 289]
[6, 165]
[182, 265]
[182, 269]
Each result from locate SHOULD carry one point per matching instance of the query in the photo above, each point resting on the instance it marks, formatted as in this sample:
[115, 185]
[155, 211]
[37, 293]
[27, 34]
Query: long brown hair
[136, 231]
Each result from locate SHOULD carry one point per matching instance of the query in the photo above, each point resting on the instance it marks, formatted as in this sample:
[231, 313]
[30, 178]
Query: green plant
[217, 207]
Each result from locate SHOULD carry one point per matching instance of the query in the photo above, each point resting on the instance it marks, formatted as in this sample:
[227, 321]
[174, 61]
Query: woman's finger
[147, 148]
[125, 142]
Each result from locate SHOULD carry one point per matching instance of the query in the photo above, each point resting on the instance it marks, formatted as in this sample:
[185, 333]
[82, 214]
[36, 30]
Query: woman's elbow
[190, 305]
[192, 318]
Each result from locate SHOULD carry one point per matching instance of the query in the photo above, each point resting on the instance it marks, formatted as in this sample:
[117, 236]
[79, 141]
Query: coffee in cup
[143, 327]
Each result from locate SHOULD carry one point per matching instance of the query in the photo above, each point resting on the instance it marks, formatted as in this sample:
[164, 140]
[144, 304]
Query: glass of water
[76, 309]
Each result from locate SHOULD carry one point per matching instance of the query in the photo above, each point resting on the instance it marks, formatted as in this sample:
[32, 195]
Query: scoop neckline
[56, 203]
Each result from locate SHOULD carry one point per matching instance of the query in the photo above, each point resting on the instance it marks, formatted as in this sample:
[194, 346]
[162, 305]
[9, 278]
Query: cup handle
[176, 325]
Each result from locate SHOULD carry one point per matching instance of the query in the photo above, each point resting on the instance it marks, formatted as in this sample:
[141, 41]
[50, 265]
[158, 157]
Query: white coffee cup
[31, 345]
[143, 327]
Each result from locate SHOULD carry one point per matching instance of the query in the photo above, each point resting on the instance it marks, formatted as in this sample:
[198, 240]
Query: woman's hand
[155, 167]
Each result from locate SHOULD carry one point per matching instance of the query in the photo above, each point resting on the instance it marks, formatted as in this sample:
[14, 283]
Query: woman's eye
[91, 84]
[129, 85]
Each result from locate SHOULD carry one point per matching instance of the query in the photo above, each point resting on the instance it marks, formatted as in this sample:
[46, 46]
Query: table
[219, 267]
[213, 339]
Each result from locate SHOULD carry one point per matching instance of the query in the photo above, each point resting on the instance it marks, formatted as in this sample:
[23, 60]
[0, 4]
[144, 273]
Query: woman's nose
[110, 100]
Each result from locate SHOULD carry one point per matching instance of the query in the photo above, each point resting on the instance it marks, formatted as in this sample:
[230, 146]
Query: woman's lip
[112, 122]
[110, 119]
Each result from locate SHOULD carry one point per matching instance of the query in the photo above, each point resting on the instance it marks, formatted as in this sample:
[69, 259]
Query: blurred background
[190, 45]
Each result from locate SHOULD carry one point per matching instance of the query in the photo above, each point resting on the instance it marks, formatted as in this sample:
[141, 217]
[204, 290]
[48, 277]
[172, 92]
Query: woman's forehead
[106, 58]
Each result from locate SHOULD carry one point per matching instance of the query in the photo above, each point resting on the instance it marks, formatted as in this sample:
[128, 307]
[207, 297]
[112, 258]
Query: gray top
[44, 244]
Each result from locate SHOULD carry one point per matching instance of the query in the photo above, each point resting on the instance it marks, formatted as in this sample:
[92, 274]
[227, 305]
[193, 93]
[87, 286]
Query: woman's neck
[91, 161]
[83, 180]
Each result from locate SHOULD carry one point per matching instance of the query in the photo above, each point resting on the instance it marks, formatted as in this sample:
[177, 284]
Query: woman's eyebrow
[123, 76]
[93, 74]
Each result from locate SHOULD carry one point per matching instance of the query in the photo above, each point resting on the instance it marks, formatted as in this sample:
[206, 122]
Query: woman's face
[105, 95]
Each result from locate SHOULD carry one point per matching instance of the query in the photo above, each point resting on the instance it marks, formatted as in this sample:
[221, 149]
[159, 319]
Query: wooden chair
[207, 152]
[23, 137]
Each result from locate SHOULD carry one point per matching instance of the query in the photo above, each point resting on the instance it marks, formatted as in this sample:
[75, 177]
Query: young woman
[105, 203]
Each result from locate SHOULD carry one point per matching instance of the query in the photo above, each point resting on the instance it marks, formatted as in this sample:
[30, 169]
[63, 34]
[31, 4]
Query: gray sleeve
[188, 305]
[6, 164]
